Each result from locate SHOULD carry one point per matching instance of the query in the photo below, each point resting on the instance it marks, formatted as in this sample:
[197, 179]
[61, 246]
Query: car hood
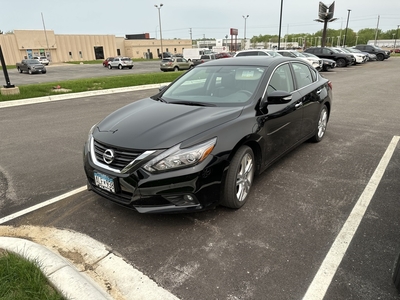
[149, 124]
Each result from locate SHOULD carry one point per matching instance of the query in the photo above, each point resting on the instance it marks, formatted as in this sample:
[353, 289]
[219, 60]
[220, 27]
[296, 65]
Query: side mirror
[276, 97]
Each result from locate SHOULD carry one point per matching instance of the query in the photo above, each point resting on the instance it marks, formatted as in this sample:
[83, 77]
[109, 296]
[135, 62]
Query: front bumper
[185, 190]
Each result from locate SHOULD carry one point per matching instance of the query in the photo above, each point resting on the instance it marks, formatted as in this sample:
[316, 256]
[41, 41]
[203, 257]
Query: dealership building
[70, 47]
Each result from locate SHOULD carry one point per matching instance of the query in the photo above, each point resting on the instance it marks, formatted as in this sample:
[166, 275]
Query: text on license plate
[104, 182]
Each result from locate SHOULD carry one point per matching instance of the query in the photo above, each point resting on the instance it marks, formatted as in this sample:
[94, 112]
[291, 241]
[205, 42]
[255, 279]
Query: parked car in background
[204, 58]
[223, 55]
[43, 60]
[200, 141]
[257, 52]
[327, 64]
[175, 64]
[107, 60]
[380, 53]
[369, 56]
[31, 66]
[120, 63]
[316, 62]
[341, 59]
[165, 55]
[359, 58]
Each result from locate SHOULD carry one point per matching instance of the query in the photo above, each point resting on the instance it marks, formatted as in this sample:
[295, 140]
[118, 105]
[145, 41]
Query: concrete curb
[79, 266]
[64, 277]
[53, 98]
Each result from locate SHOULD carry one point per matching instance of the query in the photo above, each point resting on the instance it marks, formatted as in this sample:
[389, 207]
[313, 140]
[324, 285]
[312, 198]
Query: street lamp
[397, 31]
[159, 22]
[245, 18]
[280, 26]
[347, 25]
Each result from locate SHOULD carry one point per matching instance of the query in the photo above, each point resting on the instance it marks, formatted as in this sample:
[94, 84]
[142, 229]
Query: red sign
[234, 31]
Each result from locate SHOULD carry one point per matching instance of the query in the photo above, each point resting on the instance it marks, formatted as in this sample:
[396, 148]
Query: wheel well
[256, 150]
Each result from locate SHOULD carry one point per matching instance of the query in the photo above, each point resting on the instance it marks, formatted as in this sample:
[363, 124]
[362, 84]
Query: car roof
[263, 61]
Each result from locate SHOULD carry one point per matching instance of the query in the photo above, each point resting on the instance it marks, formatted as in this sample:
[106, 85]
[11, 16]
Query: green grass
[23, 280]
[90, 84]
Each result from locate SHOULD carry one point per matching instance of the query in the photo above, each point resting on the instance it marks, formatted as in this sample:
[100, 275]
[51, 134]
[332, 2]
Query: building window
[118, 52]
[80, 54]
[70, 54]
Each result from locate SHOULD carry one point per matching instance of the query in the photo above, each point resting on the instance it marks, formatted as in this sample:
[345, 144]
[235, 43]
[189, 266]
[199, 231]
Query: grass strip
[90, 84]
[23, 280]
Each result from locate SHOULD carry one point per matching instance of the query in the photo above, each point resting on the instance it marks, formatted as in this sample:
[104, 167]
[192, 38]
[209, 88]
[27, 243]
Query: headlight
[176, 158]
[90, 136]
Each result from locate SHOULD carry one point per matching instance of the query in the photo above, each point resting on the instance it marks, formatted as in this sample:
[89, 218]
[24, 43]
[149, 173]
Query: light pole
[347, 25]
[159, 22]
[280, 26]
[397, 31]
[245, 18]
[356, 39]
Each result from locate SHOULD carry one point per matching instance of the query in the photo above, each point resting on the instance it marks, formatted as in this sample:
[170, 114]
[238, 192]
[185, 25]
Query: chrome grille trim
[124, 159]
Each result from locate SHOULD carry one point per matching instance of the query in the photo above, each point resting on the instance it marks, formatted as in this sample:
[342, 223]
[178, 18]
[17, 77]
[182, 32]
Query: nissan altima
[199, 142]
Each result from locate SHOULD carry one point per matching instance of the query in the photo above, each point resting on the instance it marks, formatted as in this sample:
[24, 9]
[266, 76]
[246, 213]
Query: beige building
[63, 48]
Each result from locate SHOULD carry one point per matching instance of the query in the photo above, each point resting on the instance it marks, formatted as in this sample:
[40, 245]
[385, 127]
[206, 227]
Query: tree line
[333, 37]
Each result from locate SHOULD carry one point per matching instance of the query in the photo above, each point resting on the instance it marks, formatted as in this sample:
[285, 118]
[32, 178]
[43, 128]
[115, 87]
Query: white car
[43, 60]
[257, 52]
[360, 57]
[315, 62]
[120, 63]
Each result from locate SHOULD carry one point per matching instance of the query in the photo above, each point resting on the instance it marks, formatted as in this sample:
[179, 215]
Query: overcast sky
[203, 18]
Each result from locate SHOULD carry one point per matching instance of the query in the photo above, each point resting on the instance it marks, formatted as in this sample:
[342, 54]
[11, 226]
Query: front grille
[122, 156]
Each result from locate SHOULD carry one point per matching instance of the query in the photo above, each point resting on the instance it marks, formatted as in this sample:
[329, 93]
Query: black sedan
[200, 141]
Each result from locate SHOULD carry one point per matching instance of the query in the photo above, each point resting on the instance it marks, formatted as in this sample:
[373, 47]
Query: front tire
[109, 67]
[380, 57]
[19, 70]
[321, 125]
[30, 72]
[341, 63]
[176, 69]
[239, 178]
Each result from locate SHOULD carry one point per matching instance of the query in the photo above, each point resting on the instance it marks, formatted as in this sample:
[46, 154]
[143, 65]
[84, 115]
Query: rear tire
[19, 70]
[176, 69]
[30, 72]
[239, 178]
[120, 67]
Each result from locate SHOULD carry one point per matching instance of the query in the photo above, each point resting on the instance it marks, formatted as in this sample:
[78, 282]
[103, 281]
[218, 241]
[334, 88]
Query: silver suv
[120, 63]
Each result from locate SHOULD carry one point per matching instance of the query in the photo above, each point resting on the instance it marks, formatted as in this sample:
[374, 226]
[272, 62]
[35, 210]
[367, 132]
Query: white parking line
[40, 205]
[323, 278]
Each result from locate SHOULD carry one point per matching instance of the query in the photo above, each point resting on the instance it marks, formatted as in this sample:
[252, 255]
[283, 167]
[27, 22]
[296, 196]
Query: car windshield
[33, 61]
[274, 53]
[215, 86]
[353, 50]
[298, 54]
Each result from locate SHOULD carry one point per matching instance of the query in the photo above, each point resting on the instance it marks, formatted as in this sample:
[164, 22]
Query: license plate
[104, 182]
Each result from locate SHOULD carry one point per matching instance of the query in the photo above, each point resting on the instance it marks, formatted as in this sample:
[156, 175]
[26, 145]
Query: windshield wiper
[161, 99]
[192, 103]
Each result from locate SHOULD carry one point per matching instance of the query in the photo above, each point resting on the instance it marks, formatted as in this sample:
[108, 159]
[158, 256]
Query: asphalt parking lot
[272, 248]
[62, 72]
